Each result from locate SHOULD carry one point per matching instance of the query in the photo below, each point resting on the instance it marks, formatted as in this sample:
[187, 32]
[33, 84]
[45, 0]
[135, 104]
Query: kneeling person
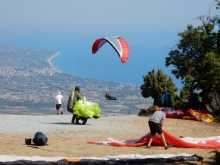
[40, 139]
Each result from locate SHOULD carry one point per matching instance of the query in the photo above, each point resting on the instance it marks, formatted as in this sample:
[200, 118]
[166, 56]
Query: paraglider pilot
[75, 97]
[108, 97]
[81, 108]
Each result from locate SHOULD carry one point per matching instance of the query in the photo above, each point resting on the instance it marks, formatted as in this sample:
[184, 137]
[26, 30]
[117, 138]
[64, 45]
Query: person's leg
[73, 118]
[84, 121]
[77, 120]
[112, 98]
[59, 111]
[160, 133]
[58, 108]
[164, 141]
[150, 141]
[152, 131]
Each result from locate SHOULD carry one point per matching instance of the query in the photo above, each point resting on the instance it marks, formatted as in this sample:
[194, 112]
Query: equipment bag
[71, 101]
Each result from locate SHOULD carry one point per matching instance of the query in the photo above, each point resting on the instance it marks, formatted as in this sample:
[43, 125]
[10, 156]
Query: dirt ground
[72, 142]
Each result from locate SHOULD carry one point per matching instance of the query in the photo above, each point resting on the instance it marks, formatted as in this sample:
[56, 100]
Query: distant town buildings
[28, 84]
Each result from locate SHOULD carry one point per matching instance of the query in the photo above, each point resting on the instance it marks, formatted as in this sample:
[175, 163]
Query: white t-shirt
[59, 99]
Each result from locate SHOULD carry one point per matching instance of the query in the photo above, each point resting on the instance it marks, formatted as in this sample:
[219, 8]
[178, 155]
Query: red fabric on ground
[170, 139]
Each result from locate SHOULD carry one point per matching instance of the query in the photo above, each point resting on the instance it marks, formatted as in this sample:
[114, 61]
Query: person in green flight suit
[81, 108]
[73, 98]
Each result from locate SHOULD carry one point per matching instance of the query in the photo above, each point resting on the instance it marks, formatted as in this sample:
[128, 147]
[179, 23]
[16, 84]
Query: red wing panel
[97, 45]
[118, 43]
[125, 50]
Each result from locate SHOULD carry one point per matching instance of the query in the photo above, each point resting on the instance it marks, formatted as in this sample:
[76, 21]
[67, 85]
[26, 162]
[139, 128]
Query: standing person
[81, 108]
[59, 101]
[73, 98]
[166, 99]
[193, 100]
[155, 124]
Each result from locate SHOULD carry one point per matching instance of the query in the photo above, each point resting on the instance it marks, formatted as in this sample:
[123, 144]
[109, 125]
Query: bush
[216, 114]
[215, 158]
[147, 112]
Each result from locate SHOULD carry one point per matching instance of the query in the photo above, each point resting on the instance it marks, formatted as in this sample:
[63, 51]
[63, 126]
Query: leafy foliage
[215, 158]
[195, 60]
[155, 83]
[216, 114]
[181, 99]
[147, 112]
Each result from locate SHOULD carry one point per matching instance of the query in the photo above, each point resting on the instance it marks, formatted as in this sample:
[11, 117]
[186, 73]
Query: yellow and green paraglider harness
[78, 105]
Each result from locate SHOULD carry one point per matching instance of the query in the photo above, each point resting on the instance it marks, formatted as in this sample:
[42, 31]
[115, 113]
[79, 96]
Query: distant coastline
[50, 59]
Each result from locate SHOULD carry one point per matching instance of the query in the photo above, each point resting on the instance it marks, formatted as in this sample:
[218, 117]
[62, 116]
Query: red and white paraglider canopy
[118, 43]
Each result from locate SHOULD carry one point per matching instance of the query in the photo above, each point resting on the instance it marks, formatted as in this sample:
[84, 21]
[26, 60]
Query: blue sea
[147, 52]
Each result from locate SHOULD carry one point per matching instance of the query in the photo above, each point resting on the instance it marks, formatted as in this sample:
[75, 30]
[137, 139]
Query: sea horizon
[74, 57]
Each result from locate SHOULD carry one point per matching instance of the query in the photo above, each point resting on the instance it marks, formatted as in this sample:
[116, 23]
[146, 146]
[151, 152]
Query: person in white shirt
[58, 101]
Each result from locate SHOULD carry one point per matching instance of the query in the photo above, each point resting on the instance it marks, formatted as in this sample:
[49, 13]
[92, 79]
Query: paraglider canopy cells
[118, 43]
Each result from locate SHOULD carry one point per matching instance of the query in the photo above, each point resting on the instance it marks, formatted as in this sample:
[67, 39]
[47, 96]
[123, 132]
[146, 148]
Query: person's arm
[79, 96]
[161, 122]
[54, 102]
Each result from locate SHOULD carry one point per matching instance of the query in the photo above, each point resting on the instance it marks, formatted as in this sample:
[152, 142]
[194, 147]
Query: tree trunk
[212, 101]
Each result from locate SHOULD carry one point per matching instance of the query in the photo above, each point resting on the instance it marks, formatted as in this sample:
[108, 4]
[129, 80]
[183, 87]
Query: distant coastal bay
[74, 57]
[50, 59]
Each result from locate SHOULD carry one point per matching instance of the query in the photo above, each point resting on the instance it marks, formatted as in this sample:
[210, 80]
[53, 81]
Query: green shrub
[216, 114]
[215, 158]
[147, 112]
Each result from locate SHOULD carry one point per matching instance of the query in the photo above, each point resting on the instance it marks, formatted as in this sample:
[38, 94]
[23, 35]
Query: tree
[196, 60]
[181, 99]
[155, 83]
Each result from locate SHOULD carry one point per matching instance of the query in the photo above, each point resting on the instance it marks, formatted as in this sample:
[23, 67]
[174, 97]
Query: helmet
[77, 88]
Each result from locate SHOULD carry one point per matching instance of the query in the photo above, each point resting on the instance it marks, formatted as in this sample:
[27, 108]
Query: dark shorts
[155, 128]
[58, 106]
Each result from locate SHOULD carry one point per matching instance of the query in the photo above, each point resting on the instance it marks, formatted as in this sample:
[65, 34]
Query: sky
[31, 17]
[149, 26]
